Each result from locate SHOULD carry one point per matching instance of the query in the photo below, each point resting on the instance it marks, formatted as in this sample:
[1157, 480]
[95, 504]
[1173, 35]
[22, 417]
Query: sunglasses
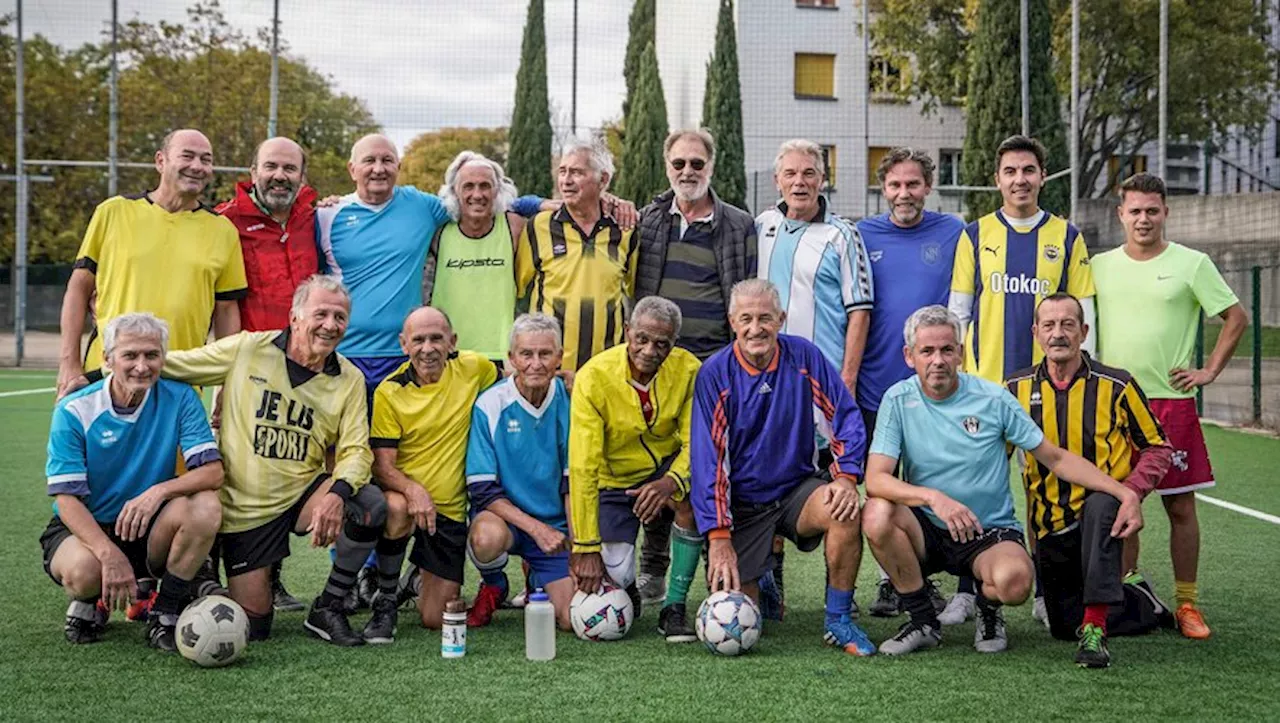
[696, 163]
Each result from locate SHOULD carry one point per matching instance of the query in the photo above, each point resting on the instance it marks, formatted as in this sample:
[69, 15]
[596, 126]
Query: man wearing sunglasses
[693, 248]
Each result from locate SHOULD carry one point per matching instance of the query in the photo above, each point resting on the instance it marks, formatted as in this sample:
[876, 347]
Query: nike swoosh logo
[1163, 278]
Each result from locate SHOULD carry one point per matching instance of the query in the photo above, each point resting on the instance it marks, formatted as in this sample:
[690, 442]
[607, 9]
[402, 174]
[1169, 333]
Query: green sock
[686, 548]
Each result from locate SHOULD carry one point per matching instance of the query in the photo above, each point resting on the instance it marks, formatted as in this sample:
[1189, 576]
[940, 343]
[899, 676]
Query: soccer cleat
[1164, 615]
[488, 598]
[989, 635]
[912, 636]
[519, 601]
[282, 601]
[1191, 622]
[206, 581]
[1039, 612]
[887, 603]
[161, 633]
[331, 624]
[381, 628]
[674, 625]
[653, 588]
[771, 607]
[936, 597]
[846, 634]
[1092, 650]
[140, 609]
[959, 609]
[85, 622]
[633, 592]
[367, 585]
[409, 588]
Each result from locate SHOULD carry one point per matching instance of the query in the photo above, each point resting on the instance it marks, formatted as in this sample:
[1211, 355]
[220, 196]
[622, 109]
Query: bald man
[421, 424]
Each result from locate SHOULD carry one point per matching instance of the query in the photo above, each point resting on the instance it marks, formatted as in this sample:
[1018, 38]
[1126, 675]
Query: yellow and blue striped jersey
[1008, 272]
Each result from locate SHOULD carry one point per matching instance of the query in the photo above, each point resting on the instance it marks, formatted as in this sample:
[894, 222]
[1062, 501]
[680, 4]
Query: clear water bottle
[539, 627]
[453, 634]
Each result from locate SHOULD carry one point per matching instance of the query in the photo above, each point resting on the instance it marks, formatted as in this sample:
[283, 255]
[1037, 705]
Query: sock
[838, 602]
[919, 606]
[84, 609]
[778, 558]
[353, 548]
[275, 573]
[1039, 587]
[174, 591]
[390, 559]
[965, 585]
[260, 626]
[493, 572]
[1096, 615]
[985, 606]
[1184, 593]
[686, 546]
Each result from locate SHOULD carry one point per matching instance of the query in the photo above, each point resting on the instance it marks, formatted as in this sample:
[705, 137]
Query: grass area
[790, 675]
[1270, 341]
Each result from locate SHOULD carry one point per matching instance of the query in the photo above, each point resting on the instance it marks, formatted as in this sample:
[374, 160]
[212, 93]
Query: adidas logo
[765, 388]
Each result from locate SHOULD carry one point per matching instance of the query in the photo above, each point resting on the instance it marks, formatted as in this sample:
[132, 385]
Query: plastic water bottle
[539, 627]
[453, 633]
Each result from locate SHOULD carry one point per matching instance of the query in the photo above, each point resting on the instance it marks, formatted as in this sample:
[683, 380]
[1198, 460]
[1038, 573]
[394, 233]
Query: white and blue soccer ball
[728, 623]
[213, 631]
[603, 615]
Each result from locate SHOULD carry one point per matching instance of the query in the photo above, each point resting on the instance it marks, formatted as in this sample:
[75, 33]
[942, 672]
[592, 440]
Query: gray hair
[598, 156]
[754, 288]
[800, 145]
[504, 187]
[395, 151]
[903, 154]
[535, 323]
[702, 134]
[317, 281]
[137, 324]
[659, 309]
[935, 315]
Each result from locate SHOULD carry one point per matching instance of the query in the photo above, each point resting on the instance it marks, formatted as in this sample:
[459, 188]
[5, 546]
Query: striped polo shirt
[691, 278]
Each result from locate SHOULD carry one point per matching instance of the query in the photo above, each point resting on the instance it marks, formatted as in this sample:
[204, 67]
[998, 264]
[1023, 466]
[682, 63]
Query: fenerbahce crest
[971, 425]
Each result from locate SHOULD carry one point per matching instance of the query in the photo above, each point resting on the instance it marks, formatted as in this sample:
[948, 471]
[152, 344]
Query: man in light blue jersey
[120, 512]
[518, 465]
[911, 251]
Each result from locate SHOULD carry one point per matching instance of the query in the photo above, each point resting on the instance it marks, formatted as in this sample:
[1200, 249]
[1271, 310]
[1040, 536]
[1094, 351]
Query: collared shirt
[685, 223]
[691, 279]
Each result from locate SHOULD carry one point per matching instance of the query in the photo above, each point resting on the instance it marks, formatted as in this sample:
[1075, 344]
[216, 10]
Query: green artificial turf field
[790, 675]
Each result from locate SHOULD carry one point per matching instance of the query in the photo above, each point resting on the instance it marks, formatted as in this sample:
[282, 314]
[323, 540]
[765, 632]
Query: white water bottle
[453, 633]
[539, 627]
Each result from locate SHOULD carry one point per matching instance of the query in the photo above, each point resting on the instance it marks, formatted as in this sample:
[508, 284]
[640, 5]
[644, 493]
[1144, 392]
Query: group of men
[722, 382]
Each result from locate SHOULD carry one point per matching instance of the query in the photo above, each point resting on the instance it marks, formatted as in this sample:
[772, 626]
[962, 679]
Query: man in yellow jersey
[287, 398]
[629, 458]
[421, 423]
[576, 263]
[162, 252]
[1007, 262]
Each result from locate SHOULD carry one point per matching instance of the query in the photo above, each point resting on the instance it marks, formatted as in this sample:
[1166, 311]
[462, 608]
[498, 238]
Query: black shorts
[943, 554]
[443, 554]
[754, 527]
[136, 551]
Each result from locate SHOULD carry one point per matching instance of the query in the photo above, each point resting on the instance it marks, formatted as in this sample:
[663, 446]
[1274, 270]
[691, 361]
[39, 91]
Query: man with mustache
[1099, 413]
[693, 249]
[275, 215]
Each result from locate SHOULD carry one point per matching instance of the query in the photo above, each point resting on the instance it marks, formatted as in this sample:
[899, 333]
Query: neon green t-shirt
[475, 285]
[1147, 312]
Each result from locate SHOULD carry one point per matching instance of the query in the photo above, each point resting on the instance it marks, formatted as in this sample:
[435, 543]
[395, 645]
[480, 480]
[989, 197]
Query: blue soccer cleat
[844, 633]
[771, 607]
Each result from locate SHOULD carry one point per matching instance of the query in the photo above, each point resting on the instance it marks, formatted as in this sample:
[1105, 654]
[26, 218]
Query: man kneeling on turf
[120, 513]
[287, 397]
[629, 458]
[956, 514]
[517, 467]
[761, 402]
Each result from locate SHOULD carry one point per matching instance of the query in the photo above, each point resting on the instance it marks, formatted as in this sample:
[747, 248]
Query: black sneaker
[1092, 650]
[330, 623]
[206, 581]
[381, 628]
[409, 588]
[673, 624]
[887, 603]
[282, 601]
[351, 601]
[161, 632]
[367, 585]
[936, 597]
[85, 623]
[633, 592]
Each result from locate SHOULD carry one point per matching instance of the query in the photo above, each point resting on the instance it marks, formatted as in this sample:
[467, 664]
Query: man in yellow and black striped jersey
[1099, 413]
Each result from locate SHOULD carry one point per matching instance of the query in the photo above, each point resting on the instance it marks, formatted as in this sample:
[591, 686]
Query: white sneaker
[519, 601]
[989, 635]
[959, 609]
[1039, 612]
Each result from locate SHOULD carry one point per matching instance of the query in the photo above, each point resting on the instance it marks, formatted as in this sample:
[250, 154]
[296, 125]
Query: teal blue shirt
[957, 445]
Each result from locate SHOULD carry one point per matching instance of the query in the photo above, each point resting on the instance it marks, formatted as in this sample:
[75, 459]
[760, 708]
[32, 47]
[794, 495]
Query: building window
[1121, 167]
[948, 168]
[815, 75]
[829, 160]
[875, 155]
[885, 76]
[816, 4]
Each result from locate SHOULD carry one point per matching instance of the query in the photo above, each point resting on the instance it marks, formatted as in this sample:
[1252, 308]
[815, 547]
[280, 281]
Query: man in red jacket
[275, 215]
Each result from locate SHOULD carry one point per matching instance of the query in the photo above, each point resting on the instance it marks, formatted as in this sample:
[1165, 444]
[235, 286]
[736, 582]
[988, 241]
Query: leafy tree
[530, 155]
[429, 154]
[642, 175]
[722, 111]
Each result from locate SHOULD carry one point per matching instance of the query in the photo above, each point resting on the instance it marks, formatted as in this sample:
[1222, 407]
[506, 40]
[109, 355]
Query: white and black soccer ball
[604, 615]
[728, 623]
[213, 631]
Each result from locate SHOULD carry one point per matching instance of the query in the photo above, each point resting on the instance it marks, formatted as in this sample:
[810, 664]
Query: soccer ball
[728, 623]
[605, 615]
[213, 631]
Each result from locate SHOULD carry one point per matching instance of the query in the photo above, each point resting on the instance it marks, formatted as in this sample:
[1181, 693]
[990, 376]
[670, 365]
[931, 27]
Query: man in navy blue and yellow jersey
[120, 512]
[421, 422]
[287, 398]
[629, 458]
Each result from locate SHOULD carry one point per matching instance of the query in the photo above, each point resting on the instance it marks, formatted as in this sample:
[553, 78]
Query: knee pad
[619, 562]
[260, 627]
[368, 507]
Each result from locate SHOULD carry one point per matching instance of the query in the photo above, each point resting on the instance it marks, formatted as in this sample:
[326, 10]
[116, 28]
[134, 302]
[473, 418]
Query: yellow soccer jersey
[278, 418]
[428, 426]
[174, 265]
[1007, 273]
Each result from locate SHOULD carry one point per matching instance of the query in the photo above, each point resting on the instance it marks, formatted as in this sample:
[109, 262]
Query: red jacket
[276, 258]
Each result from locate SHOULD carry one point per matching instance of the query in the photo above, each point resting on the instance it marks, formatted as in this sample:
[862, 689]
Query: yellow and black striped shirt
[1102, 416]
[580, 278]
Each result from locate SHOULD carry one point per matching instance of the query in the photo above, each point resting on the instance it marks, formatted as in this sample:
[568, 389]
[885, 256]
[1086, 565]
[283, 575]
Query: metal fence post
[1255, 282]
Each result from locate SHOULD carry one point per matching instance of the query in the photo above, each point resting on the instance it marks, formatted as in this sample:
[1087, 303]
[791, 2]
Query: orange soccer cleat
[1191, 622]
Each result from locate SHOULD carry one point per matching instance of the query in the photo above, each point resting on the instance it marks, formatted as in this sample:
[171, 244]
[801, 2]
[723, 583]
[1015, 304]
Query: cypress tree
[642, 175]
[722, 111]
[529, 160]
[641, 30]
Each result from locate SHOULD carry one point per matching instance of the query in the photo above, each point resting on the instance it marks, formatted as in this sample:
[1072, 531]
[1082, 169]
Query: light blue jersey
[106, 457]
[821, 271]
[957, 445]
[520, 452]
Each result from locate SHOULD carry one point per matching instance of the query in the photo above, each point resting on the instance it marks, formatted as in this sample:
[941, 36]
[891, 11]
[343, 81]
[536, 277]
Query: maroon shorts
[1190, 469]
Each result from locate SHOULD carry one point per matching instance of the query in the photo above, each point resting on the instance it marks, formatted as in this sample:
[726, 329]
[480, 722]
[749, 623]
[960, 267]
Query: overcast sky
[418, 64]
